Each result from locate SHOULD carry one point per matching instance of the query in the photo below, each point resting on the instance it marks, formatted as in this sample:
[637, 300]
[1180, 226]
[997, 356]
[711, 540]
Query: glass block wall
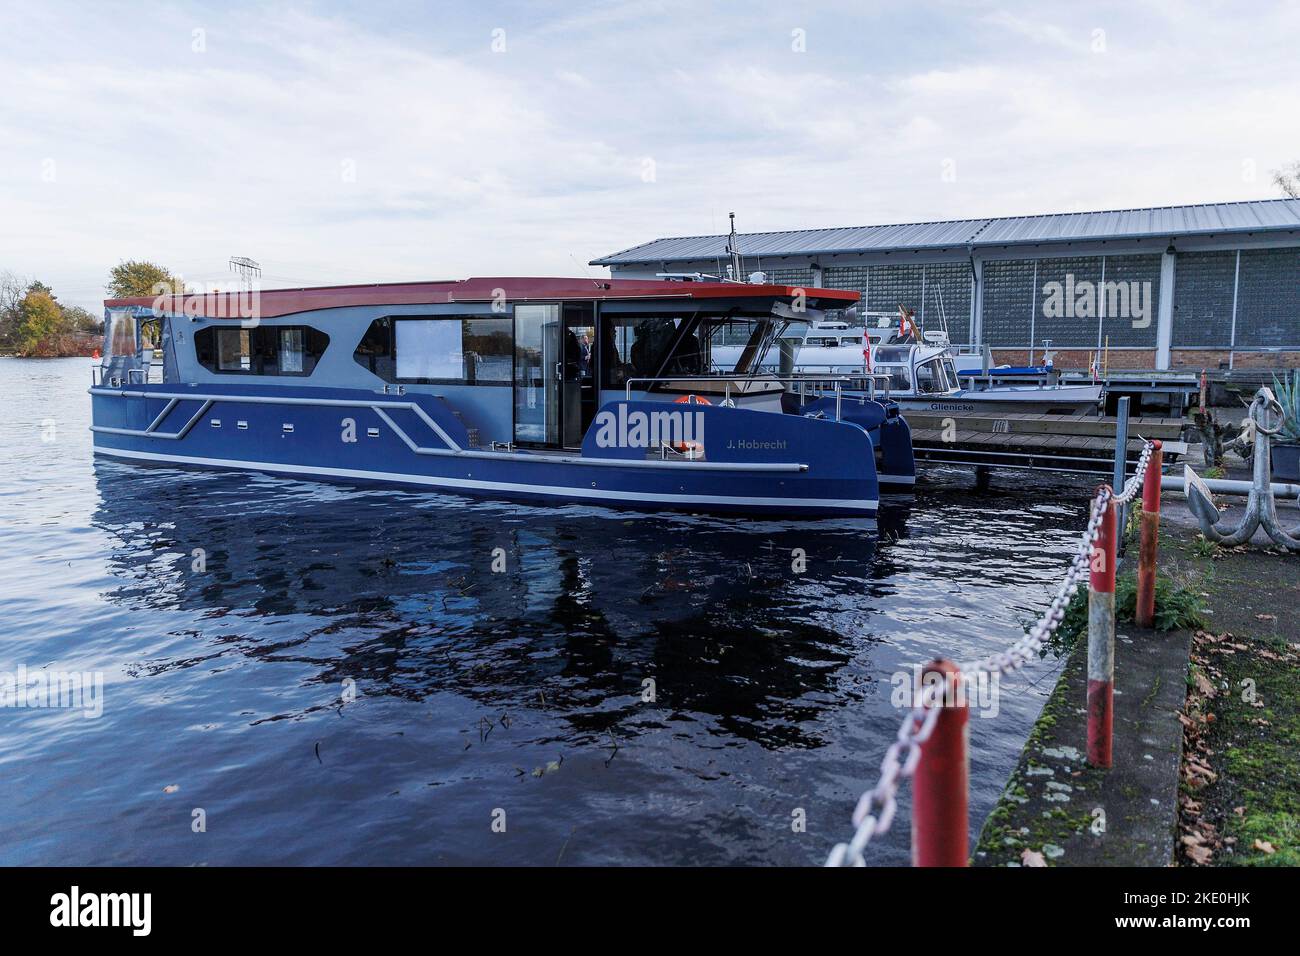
[1075, 301]
[802, 278]
[1203, 299]
[1268, 299]
[939, 292]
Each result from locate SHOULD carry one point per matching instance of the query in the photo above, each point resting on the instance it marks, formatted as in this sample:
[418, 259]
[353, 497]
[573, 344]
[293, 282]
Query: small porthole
[215, 423]
[372, 432]
[241, 424]
[287, 426]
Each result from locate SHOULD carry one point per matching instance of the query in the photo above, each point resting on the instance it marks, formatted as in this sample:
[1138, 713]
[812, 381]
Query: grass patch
[1180, 606]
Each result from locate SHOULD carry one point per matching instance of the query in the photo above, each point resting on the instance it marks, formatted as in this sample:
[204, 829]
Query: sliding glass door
[539, 372]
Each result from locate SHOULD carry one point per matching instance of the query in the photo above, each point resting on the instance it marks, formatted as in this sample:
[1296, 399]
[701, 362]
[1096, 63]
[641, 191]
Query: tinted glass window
[443, 350]
[899, 379]
[265, 350]
[642, 347]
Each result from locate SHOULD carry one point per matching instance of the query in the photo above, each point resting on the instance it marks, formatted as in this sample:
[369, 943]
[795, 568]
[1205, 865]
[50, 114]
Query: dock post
[940, 820]
[1101, 639]
[1121, 461]
[1146, 576]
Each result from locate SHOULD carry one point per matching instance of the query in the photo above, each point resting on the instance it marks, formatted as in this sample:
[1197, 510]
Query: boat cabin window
[950, 367]
[264, 350]
[664, 346]
[649, 347]
[900, 380]
[121, 334]
[446, 350]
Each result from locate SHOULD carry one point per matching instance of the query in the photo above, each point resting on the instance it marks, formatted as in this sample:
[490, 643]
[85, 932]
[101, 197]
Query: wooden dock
[1071, 443]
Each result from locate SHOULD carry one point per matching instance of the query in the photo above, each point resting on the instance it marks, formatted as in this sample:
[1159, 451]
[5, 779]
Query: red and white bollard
[1146, 575]
[1101, 640]
[940, 819]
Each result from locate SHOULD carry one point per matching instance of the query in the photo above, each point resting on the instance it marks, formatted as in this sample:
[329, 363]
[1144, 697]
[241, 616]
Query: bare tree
[1287, 179]
[12, 290]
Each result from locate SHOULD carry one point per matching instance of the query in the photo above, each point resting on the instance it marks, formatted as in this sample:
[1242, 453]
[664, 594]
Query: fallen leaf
[171, 788]
[1199, 854]
[1032, 858]
[1264, 846]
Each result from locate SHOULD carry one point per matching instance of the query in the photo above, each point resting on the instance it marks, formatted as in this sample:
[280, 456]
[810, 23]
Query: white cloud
[1040, 32]
[533, 161]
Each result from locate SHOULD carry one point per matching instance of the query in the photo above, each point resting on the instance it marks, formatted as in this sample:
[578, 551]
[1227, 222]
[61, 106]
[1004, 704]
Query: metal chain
[875, 810]
[1134, 484]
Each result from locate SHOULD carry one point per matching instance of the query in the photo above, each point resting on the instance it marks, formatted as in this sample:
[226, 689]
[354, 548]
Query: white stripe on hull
[594, 494]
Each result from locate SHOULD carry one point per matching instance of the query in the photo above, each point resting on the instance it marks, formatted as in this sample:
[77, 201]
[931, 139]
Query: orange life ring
[691, 449]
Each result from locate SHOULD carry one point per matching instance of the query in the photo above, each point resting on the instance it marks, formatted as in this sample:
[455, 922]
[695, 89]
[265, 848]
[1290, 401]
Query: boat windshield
[119, 336]
[659, 346]
[742, 344]
[930, 378]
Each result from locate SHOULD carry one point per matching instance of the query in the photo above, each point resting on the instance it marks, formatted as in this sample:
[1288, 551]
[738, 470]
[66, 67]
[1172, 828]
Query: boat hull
[757, 462]
[891, 436]
[1066, 400]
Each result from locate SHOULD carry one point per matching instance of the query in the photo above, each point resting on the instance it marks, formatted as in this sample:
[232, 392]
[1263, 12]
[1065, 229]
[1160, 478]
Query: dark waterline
[476, 692]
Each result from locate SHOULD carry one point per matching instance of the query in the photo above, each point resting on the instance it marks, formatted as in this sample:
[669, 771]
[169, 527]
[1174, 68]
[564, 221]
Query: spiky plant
[1287, 391]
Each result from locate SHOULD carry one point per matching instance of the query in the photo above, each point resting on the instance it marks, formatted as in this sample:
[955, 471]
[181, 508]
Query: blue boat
[573, 390]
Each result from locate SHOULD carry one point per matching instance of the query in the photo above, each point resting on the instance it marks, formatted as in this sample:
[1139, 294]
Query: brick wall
[1215, 360]
[1180, 359]
[1077, 359]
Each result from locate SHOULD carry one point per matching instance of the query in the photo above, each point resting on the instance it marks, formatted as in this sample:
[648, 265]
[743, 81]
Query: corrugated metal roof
[1252, 216]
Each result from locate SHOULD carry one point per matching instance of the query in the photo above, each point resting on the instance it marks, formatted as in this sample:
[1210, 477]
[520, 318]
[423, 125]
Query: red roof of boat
[274, 302]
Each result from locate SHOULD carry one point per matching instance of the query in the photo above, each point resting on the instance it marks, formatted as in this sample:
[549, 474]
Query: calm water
[476, 692]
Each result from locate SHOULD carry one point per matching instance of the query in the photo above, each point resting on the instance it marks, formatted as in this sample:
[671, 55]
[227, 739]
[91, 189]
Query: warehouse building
[1214, 286]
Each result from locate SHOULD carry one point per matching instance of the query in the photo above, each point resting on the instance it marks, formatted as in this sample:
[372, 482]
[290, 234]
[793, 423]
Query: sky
[391, 141]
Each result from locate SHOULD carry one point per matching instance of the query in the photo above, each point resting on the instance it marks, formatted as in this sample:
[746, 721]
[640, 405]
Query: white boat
[921, 367]
[924, 378]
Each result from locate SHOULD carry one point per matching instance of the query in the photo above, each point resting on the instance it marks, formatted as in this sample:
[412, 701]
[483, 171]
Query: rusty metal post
[1146, 576]
[1101, 640]
[940, 819]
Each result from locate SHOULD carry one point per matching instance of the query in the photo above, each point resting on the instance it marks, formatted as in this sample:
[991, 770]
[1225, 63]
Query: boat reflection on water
[526, 689]
[732, 618]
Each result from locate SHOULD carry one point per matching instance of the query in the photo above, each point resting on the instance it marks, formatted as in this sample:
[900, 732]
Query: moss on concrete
[1251, 748]
[1244, 711]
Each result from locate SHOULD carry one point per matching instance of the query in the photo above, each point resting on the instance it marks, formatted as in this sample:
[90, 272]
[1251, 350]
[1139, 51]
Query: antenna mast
[733, 251]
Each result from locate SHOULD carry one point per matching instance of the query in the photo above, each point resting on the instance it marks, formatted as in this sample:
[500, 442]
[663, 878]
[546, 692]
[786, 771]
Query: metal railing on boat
[819, 385]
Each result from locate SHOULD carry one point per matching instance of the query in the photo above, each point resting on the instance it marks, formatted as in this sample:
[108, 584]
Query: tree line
[34, 323]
